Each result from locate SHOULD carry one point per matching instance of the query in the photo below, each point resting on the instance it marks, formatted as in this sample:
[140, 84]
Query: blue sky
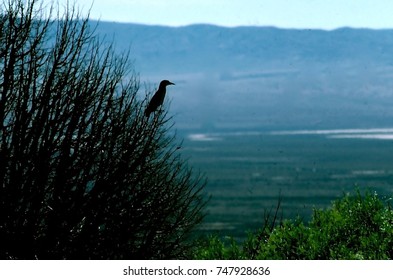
[325, 14]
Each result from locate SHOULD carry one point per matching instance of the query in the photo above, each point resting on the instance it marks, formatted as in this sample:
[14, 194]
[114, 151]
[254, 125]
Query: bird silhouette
[158, 98]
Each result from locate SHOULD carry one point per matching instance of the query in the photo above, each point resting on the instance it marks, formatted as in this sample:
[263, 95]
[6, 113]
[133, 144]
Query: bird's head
[165, 83]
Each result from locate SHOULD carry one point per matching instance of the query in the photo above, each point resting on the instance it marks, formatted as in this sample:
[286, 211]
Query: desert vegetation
[356, 226]
[83, 173]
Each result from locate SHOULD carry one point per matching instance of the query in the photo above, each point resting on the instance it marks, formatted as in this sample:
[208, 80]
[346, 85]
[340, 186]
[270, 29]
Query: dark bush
[83, 174]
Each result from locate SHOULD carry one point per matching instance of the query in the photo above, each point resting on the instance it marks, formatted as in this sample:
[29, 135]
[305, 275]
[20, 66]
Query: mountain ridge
[253, 77]
[245, 47]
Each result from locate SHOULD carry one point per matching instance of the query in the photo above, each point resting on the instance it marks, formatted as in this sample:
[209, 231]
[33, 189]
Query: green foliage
[355, 227]
[214, 248]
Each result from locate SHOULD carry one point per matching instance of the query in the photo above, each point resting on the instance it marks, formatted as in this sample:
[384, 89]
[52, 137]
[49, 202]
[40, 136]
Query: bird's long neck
[162, 88]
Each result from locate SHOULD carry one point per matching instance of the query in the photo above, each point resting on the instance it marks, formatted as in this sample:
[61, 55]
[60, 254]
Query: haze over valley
[264, 111]
[264, 77]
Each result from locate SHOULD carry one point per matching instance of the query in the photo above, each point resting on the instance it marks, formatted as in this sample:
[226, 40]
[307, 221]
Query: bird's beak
[171, 83]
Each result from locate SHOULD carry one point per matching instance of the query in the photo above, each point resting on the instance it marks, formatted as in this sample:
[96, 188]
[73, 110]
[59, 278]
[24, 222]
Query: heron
[158, 98]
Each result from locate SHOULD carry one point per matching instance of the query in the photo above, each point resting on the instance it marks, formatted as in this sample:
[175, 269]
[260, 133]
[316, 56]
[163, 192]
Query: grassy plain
[247, 172]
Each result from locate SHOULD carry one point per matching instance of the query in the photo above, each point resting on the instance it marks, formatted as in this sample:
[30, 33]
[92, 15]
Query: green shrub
[355, 227]
[215, 248]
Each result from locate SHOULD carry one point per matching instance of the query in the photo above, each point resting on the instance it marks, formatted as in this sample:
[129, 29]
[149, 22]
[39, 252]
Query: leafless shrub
[83, 174]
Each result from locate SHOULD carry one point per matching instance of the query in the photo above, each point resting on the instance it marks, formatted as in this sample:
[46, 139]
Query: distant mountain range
[265, 77]
[205, 47]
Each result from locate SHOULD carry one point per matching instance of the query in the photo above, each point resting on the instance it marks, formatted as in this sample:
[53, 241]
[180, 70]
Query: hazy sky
[326, 14]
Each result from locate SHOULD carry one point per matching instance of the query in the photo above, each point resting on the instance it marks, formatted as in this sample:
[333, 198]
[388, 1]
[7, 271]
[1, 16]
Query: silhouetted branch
[83, 173]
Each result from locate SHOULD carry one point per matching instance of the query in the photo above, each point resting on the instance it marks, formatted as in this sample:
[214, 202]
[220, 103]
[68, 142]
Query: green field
[247, 171]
